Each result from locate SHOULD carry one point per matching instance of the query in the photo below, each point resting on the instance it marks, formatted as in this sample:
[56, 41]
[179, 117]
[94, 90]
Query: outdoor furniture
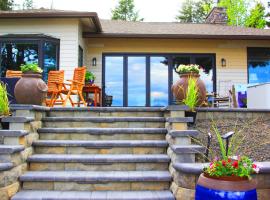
[75, 87]
[10, 84]
[55, 85]
[94, 89]
[13, 74]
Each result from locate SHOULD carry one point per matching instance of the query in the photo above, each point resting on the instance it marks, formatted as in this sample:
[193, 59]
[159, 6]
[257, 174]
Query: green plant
[4, 103]
[192, 94]
[182, 69]
[89, 76]
[33, 67]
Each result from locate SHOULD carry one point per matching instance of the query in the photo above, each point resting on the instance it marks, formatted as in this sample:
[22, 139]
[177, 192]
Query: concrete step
[5, 166]
[10, 149]
[187, 149]
[104, 122]
[96, 181]
[103, 195]
[102, 133]
[121, 162]
[13, 133]
[100, 146]
[11, 154]
[184, 133]
[107, 111]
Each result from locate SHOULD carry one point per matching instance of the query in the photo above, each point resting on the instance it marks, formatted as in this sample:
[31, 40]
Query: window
[258, 65]
[16, 50]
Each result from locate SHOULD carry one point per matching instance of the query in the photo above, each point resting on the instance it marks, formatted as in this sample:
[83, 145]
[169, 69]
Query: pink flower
[255, 168]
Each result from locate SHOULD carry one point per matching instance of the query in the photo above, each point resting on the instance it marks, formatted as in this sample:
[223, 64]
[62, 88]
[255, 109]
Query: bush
[31, 67]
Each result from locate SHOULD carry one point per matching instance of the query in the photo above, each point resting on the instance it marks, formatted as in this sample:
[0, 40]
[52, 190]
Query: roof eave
[175, 36]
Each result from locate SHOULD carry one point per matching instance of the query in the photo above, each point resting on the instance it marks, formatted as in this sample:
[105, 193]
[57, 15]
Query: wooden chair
[55, 86]
[75, 87]
[13, 74]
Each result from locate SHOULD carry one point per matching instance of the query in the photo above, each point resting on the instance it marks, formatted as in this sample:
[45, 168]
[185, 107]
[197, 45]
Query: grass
[4, 103]
[192, 94]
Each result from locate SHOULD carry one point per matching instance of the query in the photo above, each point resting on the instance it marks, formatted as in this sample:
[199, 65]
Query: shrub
[182, 69]
[192, 94]
[4, 103]
[33, 67]
[89, 76]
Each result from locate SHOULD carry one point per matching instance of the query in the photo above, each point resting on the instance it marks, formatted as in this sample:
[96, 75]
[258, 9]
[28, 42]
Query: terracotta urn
[31, 89]
[225, 188]
[179, 89]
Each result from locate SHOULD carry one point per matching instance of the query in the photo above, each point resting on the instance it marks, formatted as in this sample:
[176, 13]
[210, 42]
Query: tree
[6, 4]
[125, 10]
[194, 11]
[237, 11]
[257, 17]
[28, 4]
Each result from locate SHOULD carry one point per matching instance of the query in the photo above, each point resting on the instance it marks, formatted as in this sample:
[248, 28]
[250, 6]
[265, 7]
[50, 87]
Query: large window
[146, 79]
[16, 50]
[258, 65]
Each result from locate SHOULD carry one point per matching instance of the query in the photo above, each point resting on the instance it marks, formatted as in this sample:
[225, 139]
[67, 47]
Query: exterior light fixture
[223, 62]
[94, 62]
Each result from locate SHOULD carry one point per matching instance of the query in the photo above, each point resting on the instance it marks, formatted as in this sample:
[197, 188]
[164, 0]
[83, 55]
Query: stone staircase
[99, 154]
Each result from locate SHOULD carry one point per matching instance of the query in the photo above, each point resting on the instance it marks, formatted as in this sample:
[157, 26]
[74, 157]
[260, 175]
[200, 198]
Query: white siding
[64, 29]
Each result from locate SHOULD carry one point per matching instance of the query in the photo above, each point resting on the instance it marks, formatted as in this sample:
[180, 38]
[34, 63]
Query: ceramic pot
[226, 188]
[179, 89]
[31, 89]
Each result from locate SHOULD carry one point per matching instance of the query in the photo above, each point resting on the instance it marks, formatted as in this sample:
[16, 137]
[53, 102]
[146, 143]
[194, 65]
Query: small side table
[92, 89]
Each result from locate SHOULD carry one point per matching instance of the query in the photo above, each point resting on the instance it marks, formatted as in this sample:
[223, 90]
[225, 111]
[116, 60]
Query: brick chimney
[217, 15]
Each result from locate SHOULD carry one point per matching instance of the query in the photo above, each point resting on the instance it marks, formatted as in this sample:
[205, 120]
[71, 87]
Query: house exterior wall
[66, 30]
[234, 51]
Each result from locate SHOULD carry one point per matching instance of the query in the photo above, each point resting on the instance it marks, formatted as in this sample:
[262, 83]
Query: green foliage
[89, 76]
[6, 4]
[192, 68]
[28, 4]
[4, 103]
[33, 67]
[192, 94]
[125, 10]
[256, 19]
[194, 11]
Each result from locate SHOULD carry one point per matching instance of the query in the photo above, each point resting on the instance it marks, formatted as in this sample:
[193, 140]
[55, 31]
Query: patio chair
[13, 74]
[224, 96]
[75, 87]
[55, 86]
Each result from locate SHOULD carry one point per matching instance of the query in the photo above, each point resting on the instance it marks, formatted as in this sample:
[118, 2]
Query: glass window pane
[13, 55]
[259, 65]
[159, 81]
[114, 79]
[50, 59]
[136, 81]
[206, 71]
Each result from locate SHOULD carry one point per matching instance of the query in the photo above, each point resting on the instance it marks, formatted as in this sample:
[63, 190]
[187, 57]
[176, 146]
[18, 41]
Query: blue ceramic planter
[215, 189]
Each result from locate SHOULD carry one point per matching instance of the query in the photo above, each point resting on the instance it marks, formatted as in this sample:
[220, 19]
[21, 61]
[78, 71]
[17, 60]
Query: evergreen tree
[6, 4]
[257, 17]
[194, 11]
[28, 4]
[125, 10]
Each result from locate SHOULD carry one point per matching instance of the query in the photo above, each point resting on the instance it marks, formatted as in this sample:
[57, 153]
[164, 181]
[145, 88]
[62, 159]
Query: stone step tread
[14, 119]
[10, 149]
[104, 131]
[13, 133]
[95, 195]
[99, 158]
[100, 143]
[109, 109]
[184, 133]
[96, 176]
[187, 149]
[5, 166]
[104, 119]
[179, 119]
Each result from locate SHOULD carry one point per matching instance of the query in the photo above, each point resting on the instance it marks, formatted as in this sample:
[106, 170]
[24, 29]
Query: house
[134, 61]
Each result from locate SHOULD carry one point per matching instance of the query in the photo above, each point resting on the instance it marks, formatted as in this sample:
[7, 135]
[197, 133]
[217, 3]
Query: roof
[50, 13]
[125, 29]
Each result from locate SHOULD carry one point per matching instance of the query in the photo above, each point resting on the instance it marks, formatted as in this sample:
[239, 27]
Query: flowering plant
[240, 167]
[192, 68]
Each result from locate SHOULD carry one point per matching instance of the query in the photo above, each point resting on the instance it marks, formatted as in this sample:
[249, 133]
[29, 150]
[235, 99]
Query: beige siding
[64, 29]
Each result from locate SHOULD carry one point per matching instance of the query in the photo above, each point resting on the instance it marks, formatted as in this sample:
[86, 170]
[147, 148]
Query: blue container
[215, 189]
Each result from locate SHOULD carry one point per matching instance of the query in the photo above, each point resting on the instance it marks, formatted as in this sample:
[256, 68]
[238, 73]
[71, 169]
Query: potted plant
[90, 78]
[185, 72]
[191, 98]
[4, 105]
[31, 89]
[227, 177]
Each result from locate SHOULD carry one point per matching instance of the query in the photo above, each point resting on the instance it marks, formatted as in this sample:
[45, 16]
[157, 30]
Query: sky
[150, 10]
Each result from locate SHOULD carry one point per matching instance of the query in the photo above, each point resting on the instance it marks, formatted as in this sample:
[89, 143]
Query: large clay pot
[227, 188]
[180, 87]
[30, 89]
